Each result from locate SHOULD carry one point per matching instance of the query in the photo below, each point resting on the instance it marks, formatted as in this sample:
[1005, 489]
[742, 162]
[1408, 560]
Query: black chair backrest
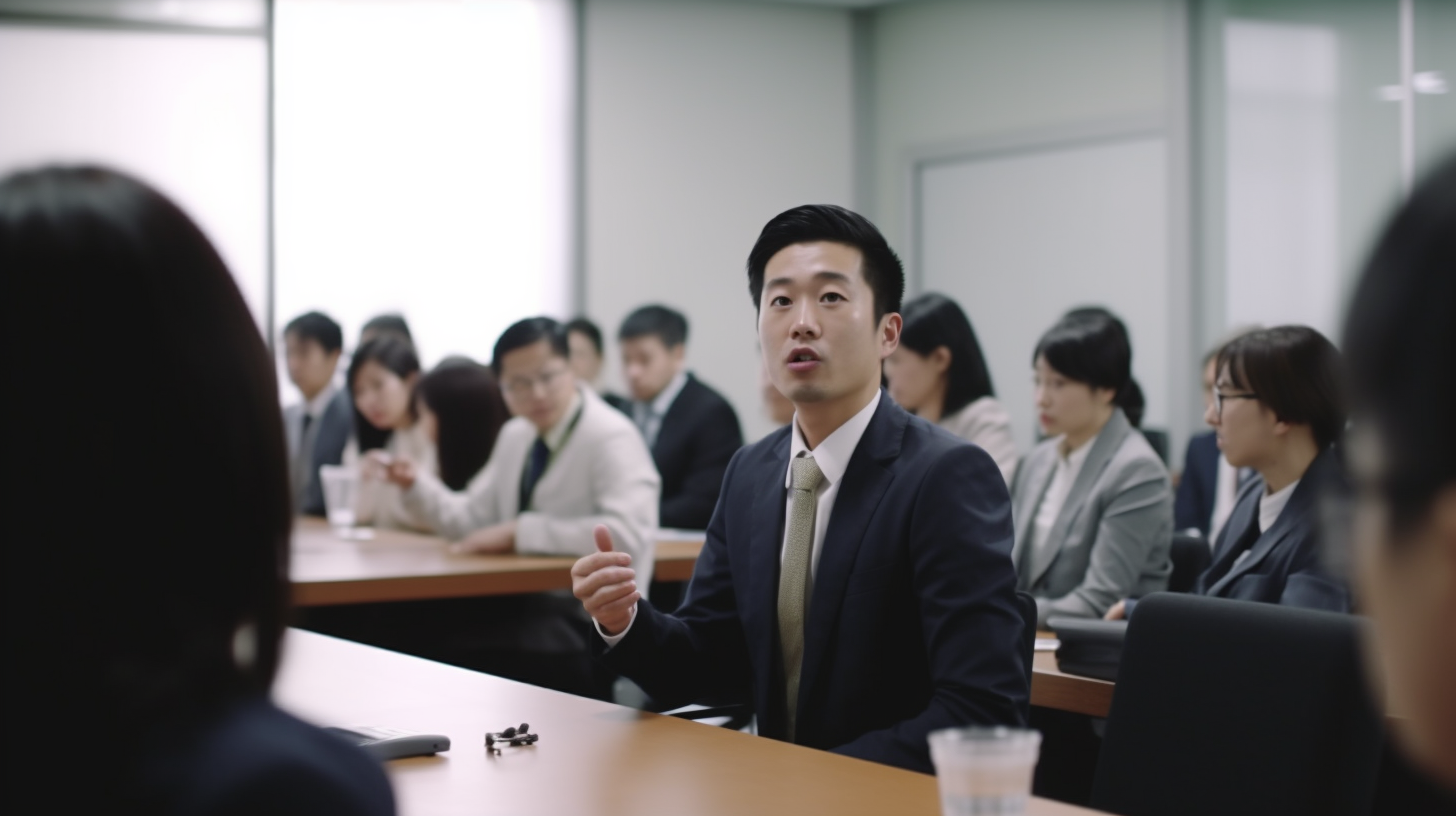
[1234, 707]
[1159, 440]
[1191, 556]
[1027, 605]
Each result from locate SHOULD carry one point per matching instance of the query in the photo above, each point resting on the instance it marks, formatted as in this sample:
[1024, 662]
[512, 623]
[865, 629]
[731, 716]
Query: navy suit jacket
[912, 625]
[698, 437]
[336, 427]
[1283, 565]
[1193, 505]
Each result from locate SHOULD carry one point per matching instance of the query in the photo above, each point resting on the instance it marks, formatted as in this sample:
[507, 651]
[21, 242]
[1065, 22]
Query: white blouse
[381, 503]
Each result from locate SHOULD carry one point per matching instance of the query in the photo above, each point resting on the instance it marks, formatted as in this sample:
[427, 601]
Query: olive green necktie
[805, 476]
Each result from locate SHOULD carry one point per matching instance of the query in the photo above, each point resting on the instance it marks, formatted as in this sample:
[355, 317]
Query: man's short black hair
[528, 332]
[1400, 342]
[585, 327]
[388, 324]
[667, 325]
[826, 222]
[318, 327]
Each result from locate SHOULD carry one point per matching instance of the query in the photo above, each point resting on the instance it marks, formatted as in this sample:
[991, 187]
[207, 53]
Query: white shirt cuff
[613, 640]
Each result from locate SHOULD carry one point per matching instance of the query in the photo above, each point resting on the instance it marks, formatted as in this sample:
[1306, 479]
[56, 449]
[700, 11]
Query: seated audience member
[382, 377]
[462, 411]
[585, 341]
[386, 324]
[1093, 503]
[1209, 484]
[856, 583]
[1278, 408]
[690, 429]
[1400, 342]
[566, 463]
[319, 427]
[939, 373]
[147, 613]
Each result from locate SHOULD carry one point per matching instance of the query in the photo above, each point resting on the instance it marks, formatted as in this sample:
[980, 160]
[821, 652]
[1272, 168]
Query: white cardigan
[381, 503]
[603, 474]
[986, 423]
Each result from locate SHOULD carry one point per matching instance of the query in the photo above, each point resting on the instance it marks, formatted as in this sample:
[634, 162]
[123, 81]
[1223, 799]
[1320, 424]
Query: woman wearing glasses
[1278, 408]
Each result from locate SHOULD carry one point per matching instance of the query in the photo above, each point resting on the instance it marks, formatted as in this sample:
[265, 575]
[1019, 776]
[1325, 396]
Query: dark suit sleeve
[700, 652]
[717, 436]
[1189, 502]
[1308, 585]
[960, 551]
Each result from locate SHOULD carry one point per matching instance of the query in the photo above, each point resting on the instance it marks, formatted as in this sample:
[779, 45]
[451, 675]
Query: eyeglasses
[523, 386]
[1219, 397]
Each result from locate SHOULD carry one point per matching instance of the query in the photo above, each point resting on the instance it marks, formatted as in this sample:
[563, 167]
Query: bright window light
[423, 164]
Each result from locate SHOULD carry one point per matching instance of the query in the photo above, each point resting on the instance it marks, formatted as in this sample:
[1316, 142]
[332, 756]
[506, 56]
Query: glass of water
[984, 771]
[341, 493]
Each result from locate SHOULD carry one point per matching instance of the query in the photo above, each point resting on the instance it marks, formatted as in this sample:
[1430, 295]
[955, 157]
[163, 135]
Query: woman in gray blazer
[1093, 504]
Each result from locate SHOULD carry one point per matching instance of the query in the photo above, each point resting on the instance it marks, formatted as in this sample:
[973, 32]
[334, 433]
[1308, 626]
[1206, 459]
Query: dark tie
[535, 466]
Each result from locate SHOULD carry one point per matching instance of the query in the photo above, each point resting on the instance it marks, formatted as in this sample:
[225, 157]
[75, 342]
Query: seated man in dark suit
[691, 430]
[856, 584]
[317, 429]
[1209, 484]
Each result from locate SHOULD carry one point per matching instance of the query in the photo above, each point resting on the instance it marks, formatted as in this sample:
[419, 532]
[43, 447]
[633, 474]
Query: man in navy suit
[856, 585]
[318, 429]
[692, 431]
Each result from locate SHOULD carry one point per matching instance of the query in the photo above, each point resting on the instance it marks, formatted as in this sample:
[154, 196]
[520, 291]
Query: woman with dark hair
[1130, 396]
[461, 411]
[1400, 341]
[939, 373]
[1093, 504]
[1278, 408]
[147, 606]
[382, 378]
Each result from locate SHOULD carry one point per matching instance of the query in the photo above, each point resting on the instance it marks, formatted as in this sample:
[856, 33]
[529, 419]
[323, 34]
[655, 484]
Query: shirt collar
[1075, 459]
[832, 455]
[664, 400]
[1272, 504]
[557, 432]
[315, 407]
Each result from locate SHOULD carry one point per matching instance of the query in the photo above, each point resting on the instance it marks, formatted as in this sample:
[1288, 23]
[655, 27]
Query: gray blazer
[334, 429]
[1113, 535]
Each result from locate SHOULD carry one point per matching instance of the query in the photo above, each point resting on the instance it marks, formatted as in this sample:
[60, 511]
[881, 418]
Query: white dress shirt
[1225, 495]
[648, 415]
[832, 456]
[1069, 465]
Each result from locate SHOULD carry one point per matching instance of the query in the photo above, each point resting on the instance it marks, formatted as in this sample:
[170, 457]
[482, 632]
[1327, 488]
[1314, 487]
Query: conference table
[592, 757]
[393, 565]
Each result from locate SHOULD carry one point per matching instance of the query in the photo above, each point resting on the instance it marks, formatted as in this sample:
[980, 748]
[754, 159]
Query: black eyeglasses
[1219, 397]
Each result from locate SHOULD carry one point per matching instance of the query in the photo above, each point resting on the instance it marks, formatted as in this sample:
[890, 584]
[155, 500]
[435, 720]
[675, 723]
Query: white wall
[962, 80]
[702, 121]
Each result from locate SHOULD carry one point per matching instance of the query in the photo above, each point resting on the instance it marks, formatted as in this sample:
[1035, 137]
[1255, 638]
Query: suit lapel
[1291, 521]
[765, 543]
[1034, 487]
[1103, 447]
[865, 482]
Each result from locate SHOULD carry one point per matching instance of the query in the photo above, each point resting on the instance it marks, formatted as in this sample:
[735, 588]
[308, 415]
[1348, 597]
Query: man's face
[817, 327]
[586, 364]
[309, 367]
[649, 365]
[537, 383]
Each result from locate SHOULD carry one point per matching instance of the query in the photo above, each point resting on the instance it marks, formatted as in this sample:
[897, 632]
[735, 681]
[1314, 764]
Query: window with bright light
[423, 164]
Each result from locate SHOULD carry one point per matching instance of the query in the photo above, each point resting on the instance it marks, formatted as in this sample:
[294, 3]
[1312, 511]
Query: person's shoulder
[772, 448]
[699, 391]
[1135, 459]
[258, 757]
[599, 417]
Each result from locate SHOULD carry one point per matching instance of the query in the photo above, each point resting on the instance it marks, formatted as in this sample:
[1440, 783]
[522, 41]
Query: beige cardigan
[985, 423]
[602, 474]
[381, 503]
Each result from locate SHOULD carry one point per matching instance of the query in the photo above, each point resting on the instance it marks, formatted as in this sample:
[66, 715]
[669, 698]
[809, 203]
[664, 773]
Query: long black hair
[1130, 396]
[147, 564]
[469, 412]
[398, 356]
[933, 320]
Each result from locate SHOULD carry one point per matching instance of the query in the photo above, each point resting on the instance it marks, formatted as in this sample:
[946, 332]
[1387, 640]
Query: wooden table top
[593, 757]
[1050, 688]
[401, 566]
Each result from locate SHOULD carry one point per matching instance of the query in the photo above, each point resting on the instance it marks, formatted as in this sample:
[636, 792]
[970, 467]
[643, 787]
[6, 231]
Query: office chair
[1159, 440]
[1234, 707]
[1191, 556]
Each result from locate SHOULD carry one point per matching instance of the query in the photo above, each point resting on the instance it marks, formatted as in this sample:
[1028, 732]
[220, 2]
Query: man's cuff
[613, 640]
